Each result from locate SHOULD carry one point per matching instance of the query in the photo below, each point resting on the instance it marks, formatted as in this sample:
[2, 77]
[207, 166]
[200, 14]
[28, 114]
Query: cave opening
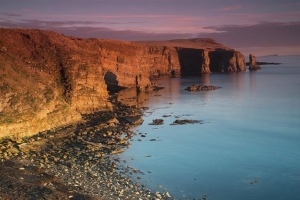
[112, 83]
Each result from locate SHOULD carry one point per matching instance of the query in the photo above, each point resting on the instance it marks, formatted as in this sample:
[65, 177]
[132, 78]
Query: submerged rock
[194, 88]
[157, 122]
[186, 121]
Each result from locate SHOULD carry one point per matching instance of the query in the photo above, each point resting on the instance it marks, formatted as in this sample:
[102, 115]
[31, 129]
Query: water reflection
[171, 91]
[174, 87]
[206, 81]
[252, 76]
[131, 97]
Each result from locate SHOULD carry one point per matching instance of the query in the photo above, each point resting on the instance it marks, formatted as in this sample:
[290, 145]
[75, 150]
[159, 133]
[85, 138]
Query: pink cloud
[230, 8]
[27, 10]
[280, 16]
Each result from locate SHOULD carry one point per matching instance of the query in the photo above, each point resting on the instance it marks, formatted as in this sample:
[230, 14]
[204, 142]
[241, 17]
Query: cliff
[205, 55]
[48, 80]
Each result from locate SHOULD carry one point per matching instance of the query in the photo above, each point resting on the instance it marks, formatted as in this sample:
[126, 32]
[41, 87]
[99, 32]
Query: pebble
[76, 163]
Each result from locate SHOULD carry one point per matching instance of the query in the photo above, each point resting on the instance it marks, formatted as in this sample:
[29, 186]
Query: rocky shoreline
[75, 162]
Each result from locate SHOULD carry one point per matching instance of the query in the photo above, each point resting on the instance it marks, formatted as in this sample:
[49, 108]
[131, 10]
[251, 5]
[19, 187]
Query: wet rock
[255, 181]
[195, 88]
[157, 122]
[167, 195]
[186, 121]
[134, 120]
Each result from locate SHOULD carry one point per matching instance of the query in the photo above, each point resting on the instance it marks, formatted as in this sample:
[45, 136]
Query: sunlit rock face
[128, 64]
[48, 80]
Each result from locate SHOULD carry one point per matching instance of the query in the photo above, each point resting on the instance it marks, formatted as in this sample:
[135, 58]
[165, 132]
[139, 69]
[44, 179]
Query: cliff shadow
[222, 61]
[112, 82]
[190, 61]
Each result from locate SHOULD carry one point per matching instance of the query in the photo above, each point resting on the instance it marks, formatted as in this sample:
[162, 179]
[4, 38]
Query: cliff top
[196, 43]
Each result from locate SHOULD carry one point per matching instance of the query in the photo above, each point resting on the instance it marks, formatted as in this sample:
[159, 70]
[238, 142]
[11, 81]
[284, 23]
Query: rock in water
[194, 88]
[157, 122]
[253, 64]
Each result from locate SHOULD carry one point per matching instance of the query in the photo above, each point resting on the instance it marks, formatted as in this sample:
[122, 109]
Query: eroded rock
[253, 64]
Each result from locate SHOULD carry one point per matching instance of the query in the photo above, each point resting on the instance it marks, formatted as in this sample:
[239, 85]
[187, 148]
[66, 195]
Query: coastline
[75, 162]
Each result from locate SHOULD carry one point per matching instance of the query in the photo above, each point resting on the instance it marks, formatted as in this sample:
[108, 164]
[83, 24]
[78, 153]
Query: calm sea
[247, 148]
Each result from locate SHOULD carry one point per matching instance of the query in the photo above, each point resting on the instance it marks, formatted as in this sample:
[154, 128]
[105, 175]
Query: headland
[58, 121]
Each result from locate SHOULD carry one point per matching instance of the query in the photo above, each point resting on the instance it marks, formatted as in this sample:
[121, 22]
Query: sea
[247, 145]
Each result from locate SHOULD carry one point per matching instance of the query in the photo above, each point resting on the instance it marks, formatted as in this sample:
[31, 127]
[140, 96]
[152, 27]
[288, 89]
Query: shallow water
[247, 148]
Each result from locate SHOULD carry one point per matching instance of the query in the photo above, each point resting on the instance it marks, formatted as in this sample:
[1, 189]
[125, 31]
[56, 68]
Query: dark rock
[157, 122]
[264, 63]
[186, 121]
[134, 120]
[227, 61]
[194, 88]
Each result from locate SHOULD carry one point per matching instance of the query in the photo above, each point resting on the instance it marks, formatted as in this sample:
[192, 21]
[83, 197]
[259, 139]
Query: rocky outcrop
[253, 64]
[227, 61]
[49, 80]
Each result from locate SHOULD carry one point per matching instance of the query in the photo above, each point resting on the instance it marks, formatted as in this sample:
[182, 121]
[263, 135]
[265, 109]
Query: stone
[157, 122]
[195, 88]
[253, 64]
[167, 195]
[12, 150]
[186, 121]
[134, 120]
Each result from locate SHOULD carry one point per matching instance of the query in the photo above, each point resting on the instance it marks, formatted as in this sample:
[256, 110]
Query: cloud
[89, 29]
[263, 34]
[145, 24]
[10, 14]
[35, 23]
[26, 10]
[231, 8]
[278, 16]
[262, 37]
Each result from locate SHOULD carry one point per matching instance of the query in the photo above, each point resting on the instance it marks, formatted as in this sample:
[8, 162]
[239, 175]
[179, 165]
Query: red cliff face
[48, 80]
[128, 64]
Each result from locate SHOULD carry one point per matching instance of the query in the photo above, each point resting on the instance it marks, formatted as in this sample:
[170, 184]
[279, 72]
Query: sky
[260, 27]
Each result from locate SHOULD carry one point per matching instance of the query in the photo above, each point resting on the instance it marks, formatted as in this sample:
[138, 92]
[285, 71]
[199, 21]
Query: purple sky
[260, 27]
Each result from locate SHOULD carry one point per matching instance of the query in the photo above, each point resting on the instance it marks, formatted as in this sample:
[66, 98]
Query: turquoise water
[247, 148]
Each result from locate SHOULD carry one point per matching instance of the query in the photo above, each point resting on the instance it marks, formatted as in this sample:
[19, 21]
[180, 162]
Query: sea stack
[253, 64]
